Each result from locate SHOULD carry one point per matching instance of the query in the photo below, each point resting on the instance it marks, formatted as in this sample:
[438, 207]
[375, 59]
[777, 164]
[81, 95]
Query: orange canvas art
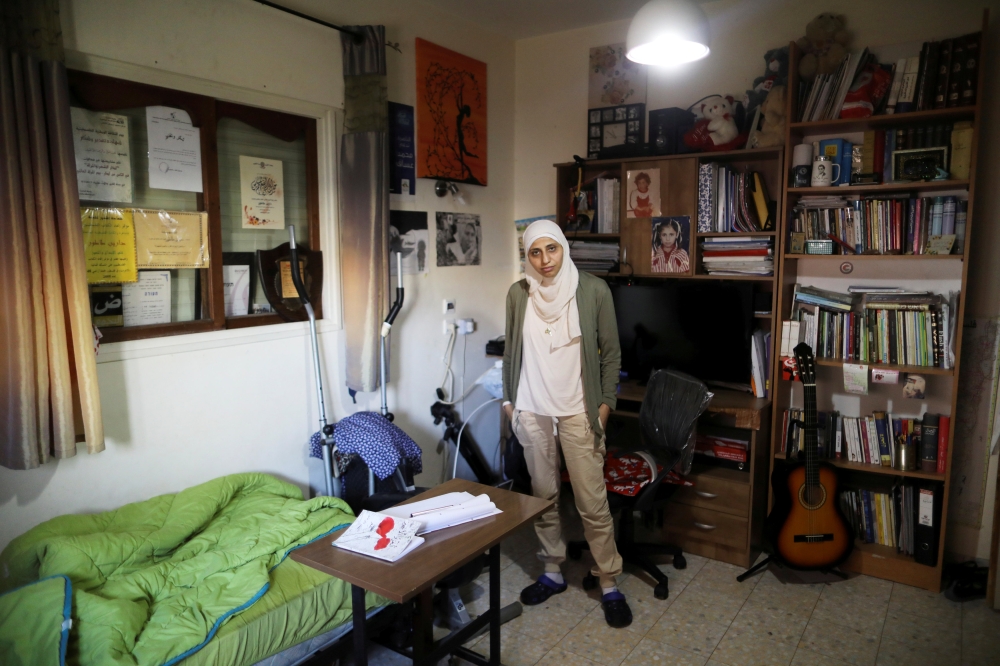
[451, 115]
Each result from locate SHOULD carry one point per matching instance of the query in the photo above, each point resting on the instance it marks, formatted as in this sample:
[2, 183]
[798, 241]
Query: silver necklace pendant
[548, 331]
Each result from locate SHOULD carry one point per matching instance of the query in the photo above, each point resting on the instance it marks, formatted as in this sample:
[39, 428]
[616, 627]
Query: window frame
[98, 92]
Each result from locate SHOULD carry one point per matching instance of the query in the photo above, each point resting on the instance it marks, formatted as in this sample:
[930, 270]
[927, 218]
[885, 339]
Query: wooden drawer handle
[702, 493]
[704, 526]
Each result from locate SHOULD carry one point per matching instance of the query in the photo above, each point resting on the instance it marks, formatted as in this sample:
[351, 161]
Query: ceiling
[518, 19]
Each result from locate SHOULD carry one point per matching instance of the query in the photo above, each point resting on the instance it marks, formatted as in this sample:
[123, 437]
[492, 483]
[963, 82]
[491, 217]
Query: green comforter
[154, 580]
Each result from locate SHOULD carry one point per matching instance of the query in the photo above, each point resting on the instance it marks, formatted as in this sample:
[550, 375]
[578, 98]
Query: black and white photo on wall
[459, 239]
[613, 126]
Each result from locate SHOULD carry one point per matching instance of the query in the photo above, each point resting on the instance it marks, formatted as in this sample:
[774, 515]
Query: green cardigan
[602, 355]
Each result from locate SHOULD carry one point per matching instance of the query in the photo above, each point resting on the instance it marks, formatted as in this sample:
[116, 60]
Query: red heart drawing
[383, 530]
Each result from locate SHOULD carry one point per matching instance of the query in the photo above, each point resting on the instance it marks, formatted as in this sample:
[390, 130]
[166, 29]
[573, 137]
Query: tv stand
[722, 516]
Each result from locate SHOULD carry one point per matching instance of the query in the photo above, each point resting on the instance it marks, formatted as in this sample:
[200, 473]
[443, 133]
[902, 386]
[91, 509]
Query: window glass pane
[183, 282]
[236, 138]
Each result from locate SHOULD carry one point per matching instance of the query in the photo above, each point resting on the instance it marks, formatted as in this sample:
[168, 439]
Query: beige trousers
[585, 463]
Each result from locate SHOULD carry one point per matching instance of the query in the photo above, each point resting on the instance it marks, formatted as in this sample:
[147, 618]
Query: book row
[732, 200]
[943, 75]
[879, 439]
[904, 517]
[738, 255]
[896, 329]
[885, 225]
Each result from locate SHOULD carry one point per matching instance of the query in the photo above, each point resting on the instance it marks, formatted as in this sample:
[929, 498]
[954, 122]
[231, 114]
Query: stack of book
[608, 206]
[728, 447]
[871, 440]
[887, 224]
[901, 328]
[732, 200]
[760, 363]
[824, 98]
[593, 256]
[738, 255]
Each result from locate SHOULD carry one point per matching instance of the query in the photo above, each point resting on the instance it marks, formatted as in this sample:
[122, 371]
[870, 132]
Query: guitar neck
[809, 427]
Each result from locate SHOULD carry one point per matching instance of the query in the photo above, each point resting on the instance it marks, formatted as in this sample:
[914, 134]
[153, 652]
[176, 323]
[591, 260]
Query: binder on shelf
[927, 524]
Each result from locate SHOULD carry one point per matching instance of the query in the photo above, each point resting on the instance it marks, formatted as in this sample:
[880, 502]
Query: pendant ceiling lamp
[667, 32]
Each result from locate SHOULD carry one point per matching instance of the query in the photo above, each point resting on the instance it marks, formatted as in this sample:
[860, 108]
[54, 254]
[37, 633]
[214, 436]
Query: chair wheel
[589, 582]
[661, 591]
[574, 551]
[679, 563]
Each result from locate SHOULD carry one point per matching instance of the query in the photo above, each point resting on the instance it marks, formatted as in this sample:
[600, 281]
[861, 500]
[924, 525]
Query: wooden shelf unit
[871, 559]
[678, 197]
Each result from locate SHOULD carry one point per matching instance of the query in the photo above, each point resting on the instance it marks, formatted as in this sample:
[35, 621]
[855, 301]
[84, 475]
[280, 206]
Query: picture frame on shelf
[614, 126]
[920, 164]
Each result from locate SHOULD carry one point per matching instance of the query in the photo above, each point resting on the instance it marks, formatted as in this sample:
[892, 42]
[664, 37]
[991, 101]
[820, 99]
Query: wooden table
[414, 575]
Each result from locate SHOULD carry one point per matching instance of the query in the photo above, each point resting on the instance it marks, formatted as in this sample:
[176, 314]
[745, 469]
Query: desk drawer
[707, 525]
[711, 492]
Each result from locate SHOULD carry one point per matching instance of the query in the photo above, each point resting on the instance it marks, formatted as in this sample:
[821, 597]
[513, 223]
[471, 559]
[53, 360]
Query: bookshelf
[936, 273]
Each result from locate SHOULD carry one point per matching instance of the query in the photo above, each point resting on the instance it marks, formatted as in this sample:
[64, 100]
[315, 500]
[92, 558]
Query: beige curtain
[49, 397]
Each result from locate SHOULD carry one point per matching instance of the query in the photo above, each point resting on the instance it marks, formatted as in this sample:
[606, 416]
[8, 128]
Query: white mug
[821, 176]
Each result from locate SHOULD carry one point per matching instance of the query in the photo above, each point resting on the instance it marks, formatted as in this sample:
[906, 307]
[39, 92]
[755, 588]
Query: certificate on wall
[262, 193]
[109, 245]
[103, 156]
[148, 300]
[174, 150]
[171, 239]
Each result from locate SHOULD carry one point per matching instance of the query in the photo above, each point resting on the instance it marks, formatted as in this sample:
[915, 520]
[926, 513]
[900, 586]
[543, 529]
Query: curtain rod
[357, 36]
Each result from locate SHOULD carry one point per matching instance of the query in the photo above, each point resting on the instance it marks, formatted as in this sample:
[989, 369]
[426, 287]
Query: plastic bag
[492, 380]
[668, 416]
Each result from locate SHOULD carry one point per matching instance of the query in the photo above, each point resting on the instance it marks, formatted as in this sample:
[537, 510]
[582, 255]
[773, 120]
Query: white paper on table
[103, 156]
[148, 300]
[452, 509]
[262, 193]
[380, 535]
[236, 290]
[174, 150]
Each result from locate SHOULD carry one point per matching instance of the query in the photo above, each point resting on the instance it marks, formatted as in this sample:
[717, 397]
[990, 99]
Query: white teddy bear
[718, 110]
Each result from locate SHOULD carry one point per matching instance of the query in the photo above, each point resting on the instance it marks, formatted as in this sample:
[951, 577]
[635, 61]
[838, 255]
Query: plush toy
[715, 127]
[772, 131]
[775, 74]
[823, 47]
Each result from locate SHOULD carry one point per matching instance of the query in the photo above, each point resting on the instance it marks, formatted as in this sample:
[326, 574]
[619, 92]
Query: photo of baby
[671, 240]
[643, 193]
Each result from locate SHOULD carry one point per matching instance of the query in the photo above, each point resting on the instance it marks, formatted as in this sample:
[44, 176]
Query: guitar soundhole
[812, 498]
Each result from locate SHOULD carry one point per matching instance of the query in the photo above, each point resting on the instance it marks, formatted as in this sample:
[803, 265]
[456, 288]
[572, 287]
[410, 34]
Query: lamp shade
[667, 32]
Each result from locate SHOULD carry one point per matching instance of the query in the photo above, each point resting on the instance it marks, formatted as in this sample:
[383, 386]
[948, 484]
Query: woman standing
[560, 375]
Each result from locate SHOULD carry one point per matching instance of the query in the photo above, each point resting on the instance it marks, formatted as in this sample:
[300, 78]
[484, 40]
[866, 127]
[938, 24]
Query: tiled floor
[711, 619]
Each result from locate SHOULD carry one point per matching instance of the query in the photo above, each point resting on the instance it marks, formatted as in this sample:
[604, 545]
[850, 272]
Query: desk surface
[744, 407]
[442, 552]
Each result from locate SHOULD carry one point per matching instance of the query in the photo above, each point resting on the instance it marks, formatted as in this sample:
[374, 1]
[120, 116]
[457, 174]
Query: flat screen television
[701, 328]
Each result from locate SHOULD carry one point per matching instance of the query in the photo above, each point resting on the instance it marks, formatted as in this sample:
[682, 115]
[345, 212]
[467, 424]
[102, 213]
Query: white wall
[550, 121]
[186, 410]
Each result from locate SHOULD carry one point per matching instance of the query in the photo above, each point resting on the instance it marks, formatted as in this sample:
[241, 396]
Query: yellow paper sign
[109, 245]
[170, 239]
[288, 289]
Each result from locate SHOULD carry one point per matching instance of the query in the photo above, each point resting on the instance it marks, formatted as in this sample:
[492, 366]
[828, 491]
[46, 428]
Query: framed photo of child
[671, 244]
[643, 193]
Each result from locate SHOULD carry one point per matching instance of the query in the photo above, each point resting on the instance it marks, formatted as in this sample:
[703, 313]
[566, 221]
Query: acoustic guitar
[813, 533]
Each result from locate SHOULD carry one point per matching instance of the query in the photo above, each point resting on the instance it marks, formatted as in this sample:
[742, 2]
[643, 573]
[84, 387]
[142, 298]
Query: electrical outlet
[449, 324]
[449, 306]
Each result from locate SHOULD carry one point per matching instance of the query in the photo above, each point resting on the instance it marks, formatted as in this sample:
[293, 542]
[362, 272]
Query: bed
[197, 577]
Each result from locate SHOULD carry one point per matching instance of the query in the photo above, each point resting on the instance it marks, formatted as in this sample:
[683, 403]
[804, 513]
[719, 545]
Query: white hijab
[554, 299]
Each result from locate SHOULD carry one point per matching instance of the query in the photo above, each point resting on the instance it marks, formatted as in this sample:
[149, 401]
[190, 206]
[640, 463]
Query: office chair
[670, 410]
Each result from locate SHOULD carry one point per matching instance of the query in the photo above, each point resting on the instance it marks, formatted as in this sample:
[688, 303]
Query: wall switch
[449, 306]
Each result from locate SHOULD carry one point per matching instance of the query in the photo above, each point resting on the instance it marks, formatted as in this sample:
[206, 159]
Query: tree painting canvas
[451, 115]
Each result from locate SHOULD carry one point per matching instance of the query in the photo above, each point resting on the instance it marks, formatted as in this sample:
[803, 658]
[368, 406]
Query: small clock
[614, 135]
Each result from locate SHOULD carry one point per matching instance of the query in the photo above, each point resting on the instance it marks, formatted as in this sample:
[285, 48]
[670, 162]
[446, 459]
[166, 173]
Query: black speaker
[666, 130]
